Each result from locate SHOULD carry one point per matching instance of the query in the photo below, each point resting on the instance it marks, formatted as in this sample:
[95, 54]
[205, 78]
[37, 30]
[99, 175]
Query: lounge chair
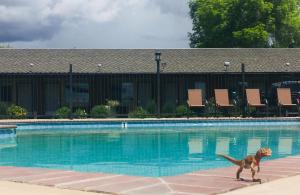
[284, 99]
[222, 98]
[195, 98]
[253, 99]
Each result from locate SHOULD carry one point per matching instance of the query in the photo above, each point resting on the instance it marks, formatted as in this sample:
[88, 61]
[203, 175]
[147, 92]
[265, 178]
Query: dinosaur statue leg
[242, 165]
[253, 174]
[239, 172]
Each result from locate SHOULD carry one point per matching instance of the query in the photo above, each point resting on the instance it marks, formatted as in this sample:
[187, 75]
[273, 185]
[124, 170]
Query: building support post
[71, 90]
[243, 90]
[157, 59]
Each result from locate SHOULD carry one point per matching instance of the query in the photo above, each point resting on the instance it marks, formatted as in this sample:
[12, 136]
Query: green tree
[245, 23]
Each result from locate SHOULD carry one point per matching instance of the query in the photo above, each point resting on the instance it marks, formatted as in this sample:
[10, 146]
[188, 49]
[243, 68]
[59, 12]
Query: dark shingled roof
[142, 60]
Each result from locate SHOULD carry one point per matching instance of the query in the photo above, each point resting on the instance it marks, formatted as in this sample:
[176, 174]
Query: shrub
[182, 110]
[63, 112]
[112, 103]
[100, 111]
[210, 108]
[250, 111]
[151, 107]
[139, 112]
[3, 109]
[168, 110]
[80, 113]
[16, 112]
[236, 111]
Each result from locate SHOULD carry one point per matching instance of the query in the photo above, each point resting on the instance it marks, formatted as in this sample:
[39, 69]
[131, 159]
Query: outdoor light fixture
[157, 55]
[99, 65]
[226, 65]
[31, 66]
[287, 64]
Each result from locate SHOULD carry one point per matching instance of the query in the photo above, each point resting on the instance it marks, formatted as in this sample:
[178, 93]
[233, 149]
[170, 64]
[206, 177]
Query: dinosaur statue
[250, 162]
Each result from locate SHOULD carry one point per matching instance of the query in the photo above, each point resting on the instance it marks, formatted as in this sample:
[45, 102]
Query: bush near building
[16, 112]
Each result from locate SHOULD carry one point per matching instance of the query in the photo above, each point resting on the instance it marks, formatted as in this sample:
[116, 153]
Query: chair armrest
[234, 102]
[298, 100]
[265, 100]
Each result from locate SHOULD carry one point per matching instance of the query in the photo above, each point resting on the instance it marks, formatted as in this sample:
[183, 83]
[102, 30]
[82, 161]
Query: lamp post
[226, 65]
[157, 59]
[288, 76]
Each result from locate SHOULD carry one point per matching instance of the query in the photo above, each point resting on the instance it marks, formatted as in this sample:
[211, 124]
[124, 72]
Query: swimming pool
[145, 150]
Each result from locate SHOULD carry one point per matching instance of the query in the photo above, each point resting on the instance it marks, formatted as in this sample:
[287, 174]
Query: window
[127, 93]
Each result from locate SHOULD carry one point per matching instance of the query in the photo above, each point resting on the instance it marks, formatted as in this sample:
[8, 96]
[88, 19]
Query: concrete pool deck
[214, 181]
[288, 185]
[8, 127]
[15, 121]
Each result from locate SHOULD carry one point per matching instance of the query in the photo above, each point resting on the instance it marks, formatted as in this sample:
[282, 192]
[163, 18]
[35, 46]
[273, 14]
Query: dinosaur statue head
[264, 152]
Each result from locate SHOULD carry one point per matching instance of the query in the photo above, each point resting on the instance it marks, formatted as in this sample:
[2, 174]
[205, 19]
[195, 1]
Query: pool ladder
[124, 125]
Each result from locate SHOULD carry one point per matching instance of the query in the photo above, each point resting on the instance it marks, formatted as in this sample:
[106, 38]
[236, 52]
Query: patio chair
[222, 101]
[253, 99]
[195, 98]
[284, 99]
[222, 98]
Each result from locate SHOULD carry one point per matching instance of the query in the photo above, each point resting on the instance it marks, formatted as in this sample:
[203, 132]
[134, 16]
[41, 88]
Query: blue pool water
[147, 151]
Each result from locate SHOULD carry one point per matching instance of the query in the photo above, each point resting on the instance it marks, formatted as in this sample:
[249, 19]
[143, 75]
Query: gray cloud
[95, 24]
[20, 31]
[27, 21]
[176, 7]
[14, 3]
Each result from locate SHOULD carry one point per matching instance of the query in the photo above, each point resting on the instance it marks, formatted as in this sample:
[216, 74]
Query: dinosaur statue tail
[233, 160]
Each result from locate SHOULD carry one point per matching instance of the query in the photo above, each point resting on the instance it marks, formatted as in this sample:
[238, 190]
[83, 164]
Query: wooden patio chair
[284, 99]
[222, 98]
[253, 99]
[195, 99]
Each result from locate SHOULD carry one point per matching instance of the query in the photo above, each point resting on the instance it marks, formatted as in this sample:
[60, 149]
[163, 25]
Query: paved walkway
[13, 188]
[287, 186]
[213, 181]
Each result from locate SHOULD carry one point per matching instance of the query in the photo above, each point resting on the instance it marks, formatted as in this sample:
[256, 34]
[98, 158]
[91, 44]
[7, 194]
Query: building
[39, 79]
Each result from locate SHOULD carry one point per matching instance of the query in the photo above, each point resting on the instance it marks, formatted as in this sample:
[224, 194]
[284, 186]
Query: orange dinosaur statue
[250, 162]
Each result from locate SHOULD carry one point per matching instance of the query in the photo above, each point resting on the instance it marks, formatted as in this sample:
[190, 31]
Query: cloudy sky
[95, 23]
